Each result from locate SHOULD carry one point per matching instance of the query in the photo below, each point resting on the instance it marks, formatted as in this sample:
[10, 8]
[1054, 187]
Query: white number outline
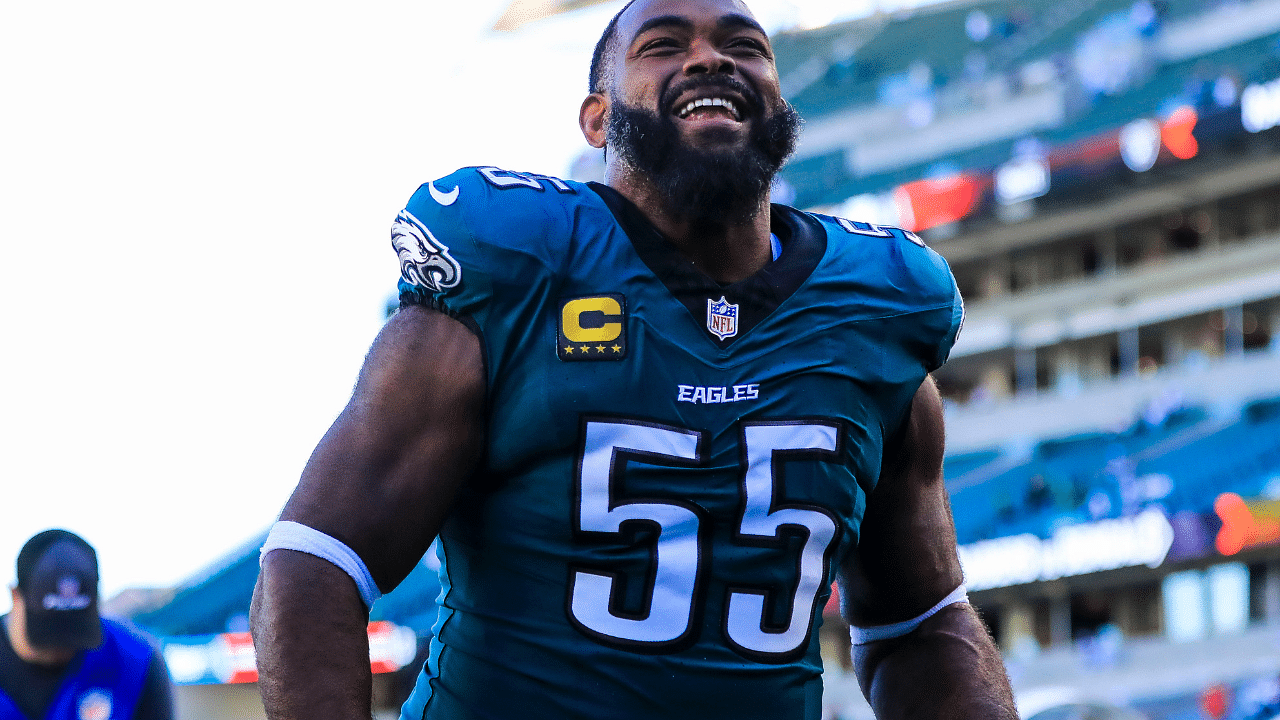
[583, 613]
[873, 230]
[761, 508]
[506, 179]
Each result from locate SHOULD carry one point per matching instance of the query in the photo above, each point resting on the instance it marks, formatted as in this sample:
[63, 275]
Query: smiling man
[650, 421]
[702, 146]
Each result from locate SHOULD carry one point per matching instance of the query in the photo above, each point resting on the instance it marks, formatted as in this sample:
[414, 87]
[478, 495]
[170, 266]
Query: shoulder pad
[867, 229]
[508, 179]
[494, 207]
[460, 234]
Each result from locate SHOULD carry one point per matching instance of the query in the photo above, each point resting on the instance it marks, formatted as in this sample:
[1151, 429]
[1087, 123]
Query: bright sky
[194, 207]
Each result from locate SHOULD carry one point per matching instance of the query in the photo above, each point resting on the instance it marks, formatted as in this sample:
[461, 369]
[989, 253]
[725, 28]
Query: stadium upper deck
[1092, 155]
[960, 87]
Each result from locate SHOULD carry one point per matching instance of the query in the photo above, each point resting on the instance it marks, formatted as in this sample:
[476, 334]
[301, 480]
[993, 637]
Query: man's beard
[709, 188]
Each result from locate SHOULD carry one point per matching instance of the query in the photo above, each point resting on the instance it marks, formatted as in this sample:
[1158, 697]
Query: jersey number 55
[679, 556]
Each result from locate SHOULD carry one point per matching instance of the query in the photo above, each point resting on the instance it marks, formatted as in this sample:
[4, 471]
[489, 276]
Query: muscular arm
[904, 564]
[380, 481]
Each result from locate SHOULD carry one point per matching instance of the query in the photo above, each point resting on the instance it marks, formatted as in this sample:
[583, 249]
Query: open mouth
[710, 108]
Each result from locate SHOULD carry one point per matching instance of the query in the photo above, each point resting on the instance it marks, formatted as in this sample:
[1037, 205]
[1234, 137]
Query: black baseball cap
[58, 582]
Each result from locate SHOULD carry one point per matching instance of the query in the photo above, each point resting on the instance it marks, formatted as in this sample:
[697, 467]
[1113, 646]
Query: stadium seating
[995, 496]
[1238, 458]
[217, 599]
[876, 72]
[213, 601]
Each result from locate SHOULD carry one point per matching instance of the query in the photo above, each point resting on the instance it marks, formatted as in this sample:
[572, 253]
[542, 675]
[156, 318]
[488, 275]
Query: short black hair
[35, 547]
[596, 77]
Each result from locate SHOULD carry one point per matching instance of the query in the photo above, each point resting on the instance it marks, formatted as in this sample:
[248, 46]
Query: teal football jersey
[673, 467]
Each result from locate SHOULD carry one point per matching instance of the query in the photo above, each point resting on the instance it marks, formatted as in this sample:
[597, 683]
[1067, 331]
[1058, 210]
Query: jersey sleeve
[486, 246]
[955, 315]
[480, 235]
[441, 263]
[902, 278]
[930, 296]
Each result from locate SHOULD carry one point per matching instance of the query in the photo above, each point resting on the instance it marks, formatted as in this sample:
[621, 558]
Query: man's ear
[591, 119]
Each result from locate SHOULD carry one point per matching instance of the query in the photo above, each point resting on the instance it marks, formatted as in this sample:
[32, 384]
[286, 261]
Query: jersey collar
[803, 239]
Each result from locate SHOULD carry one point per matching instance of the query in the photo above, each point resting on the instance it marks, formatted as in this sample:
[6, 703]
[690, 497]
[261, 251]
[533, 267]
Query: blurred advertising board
[1149, 538]
[229, 657]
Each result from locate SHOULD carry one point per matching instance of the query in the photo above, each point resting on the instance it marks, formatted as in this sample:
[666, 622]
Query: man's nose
[706, 58]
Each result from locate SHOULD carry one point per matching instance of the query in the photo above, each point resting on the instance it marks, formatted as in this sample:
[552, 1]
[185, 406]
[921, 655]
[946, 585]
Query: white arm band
[864, 635]
[289, 535]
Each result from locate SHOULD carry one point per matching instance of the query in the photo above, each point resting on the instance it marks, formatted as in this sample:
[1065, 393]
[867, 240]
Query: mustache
[720, 82]
[708, 187]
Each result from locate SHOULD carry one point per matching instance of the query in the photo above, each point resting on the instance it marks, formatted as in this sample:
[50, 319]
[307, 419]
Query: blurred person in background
[60, 660]
[650, 421]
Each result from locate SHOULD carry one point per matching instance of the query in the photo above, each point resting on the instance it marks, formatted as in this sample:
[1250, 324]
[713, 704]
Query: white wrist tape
[864, 635]
[289, 535]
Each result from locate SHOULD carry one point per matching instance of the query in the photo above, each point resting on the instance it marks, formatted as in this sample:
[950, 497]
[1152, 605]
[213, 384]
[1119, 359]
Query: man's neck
[726, 253]
[45, 657]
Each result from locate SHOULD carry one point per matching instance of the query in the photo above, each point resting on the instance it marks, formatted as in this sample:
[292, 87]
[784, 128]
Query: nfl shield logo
[722, 318]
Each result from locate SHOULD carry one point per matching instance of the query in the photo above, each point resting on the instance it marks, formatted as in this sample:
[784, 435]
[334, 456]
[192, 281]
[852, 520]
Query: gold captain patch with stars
[593, 328]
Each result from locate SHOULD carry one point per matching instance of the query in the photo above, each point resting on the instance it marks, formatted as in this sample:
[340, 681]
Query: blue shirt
[105, 683]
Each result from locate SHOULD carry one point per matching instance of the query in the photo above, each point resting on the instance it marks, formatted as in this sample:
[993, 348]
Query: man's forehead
[645, 12]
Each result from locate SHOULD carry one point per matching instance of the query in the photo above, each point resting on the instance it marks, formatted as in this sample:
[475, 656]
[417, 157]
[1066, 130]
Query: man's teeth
[711, 102]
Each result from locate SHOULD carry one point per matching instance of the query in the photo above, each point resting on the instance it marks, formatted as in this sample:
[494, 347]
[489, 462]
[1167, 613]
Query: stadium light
[1021, 179]
[1260, 106]
[1140, 144]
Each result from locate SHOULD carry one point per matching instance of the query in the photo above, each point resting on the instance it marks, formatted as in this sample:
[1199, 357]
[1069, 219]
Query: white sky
[194, 208]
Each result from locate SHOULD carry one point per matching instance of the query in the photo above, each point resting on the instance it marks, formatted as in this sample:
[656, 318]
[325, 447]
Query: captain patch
[593, 328]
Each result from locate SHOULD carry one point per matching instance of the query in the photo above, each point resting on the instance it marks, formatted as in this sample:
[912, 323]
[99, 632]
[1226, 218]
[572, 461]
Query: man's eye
[660, 44]
[748, 44]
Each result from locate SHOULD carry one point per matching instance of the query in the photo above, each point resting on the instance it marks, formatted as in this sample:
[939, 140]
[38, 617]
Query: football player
[650, 421]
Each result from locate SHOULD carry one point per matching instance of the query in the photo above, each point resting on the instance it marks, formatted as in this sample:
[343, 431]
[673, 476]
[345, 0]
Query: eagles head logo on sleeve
[424, 260]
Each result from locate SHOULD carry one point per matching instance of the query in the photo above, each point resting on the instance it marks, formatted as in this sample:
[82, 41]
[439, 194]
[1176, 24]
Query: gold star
[616, 349]
[599, 348]
[569, 350]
